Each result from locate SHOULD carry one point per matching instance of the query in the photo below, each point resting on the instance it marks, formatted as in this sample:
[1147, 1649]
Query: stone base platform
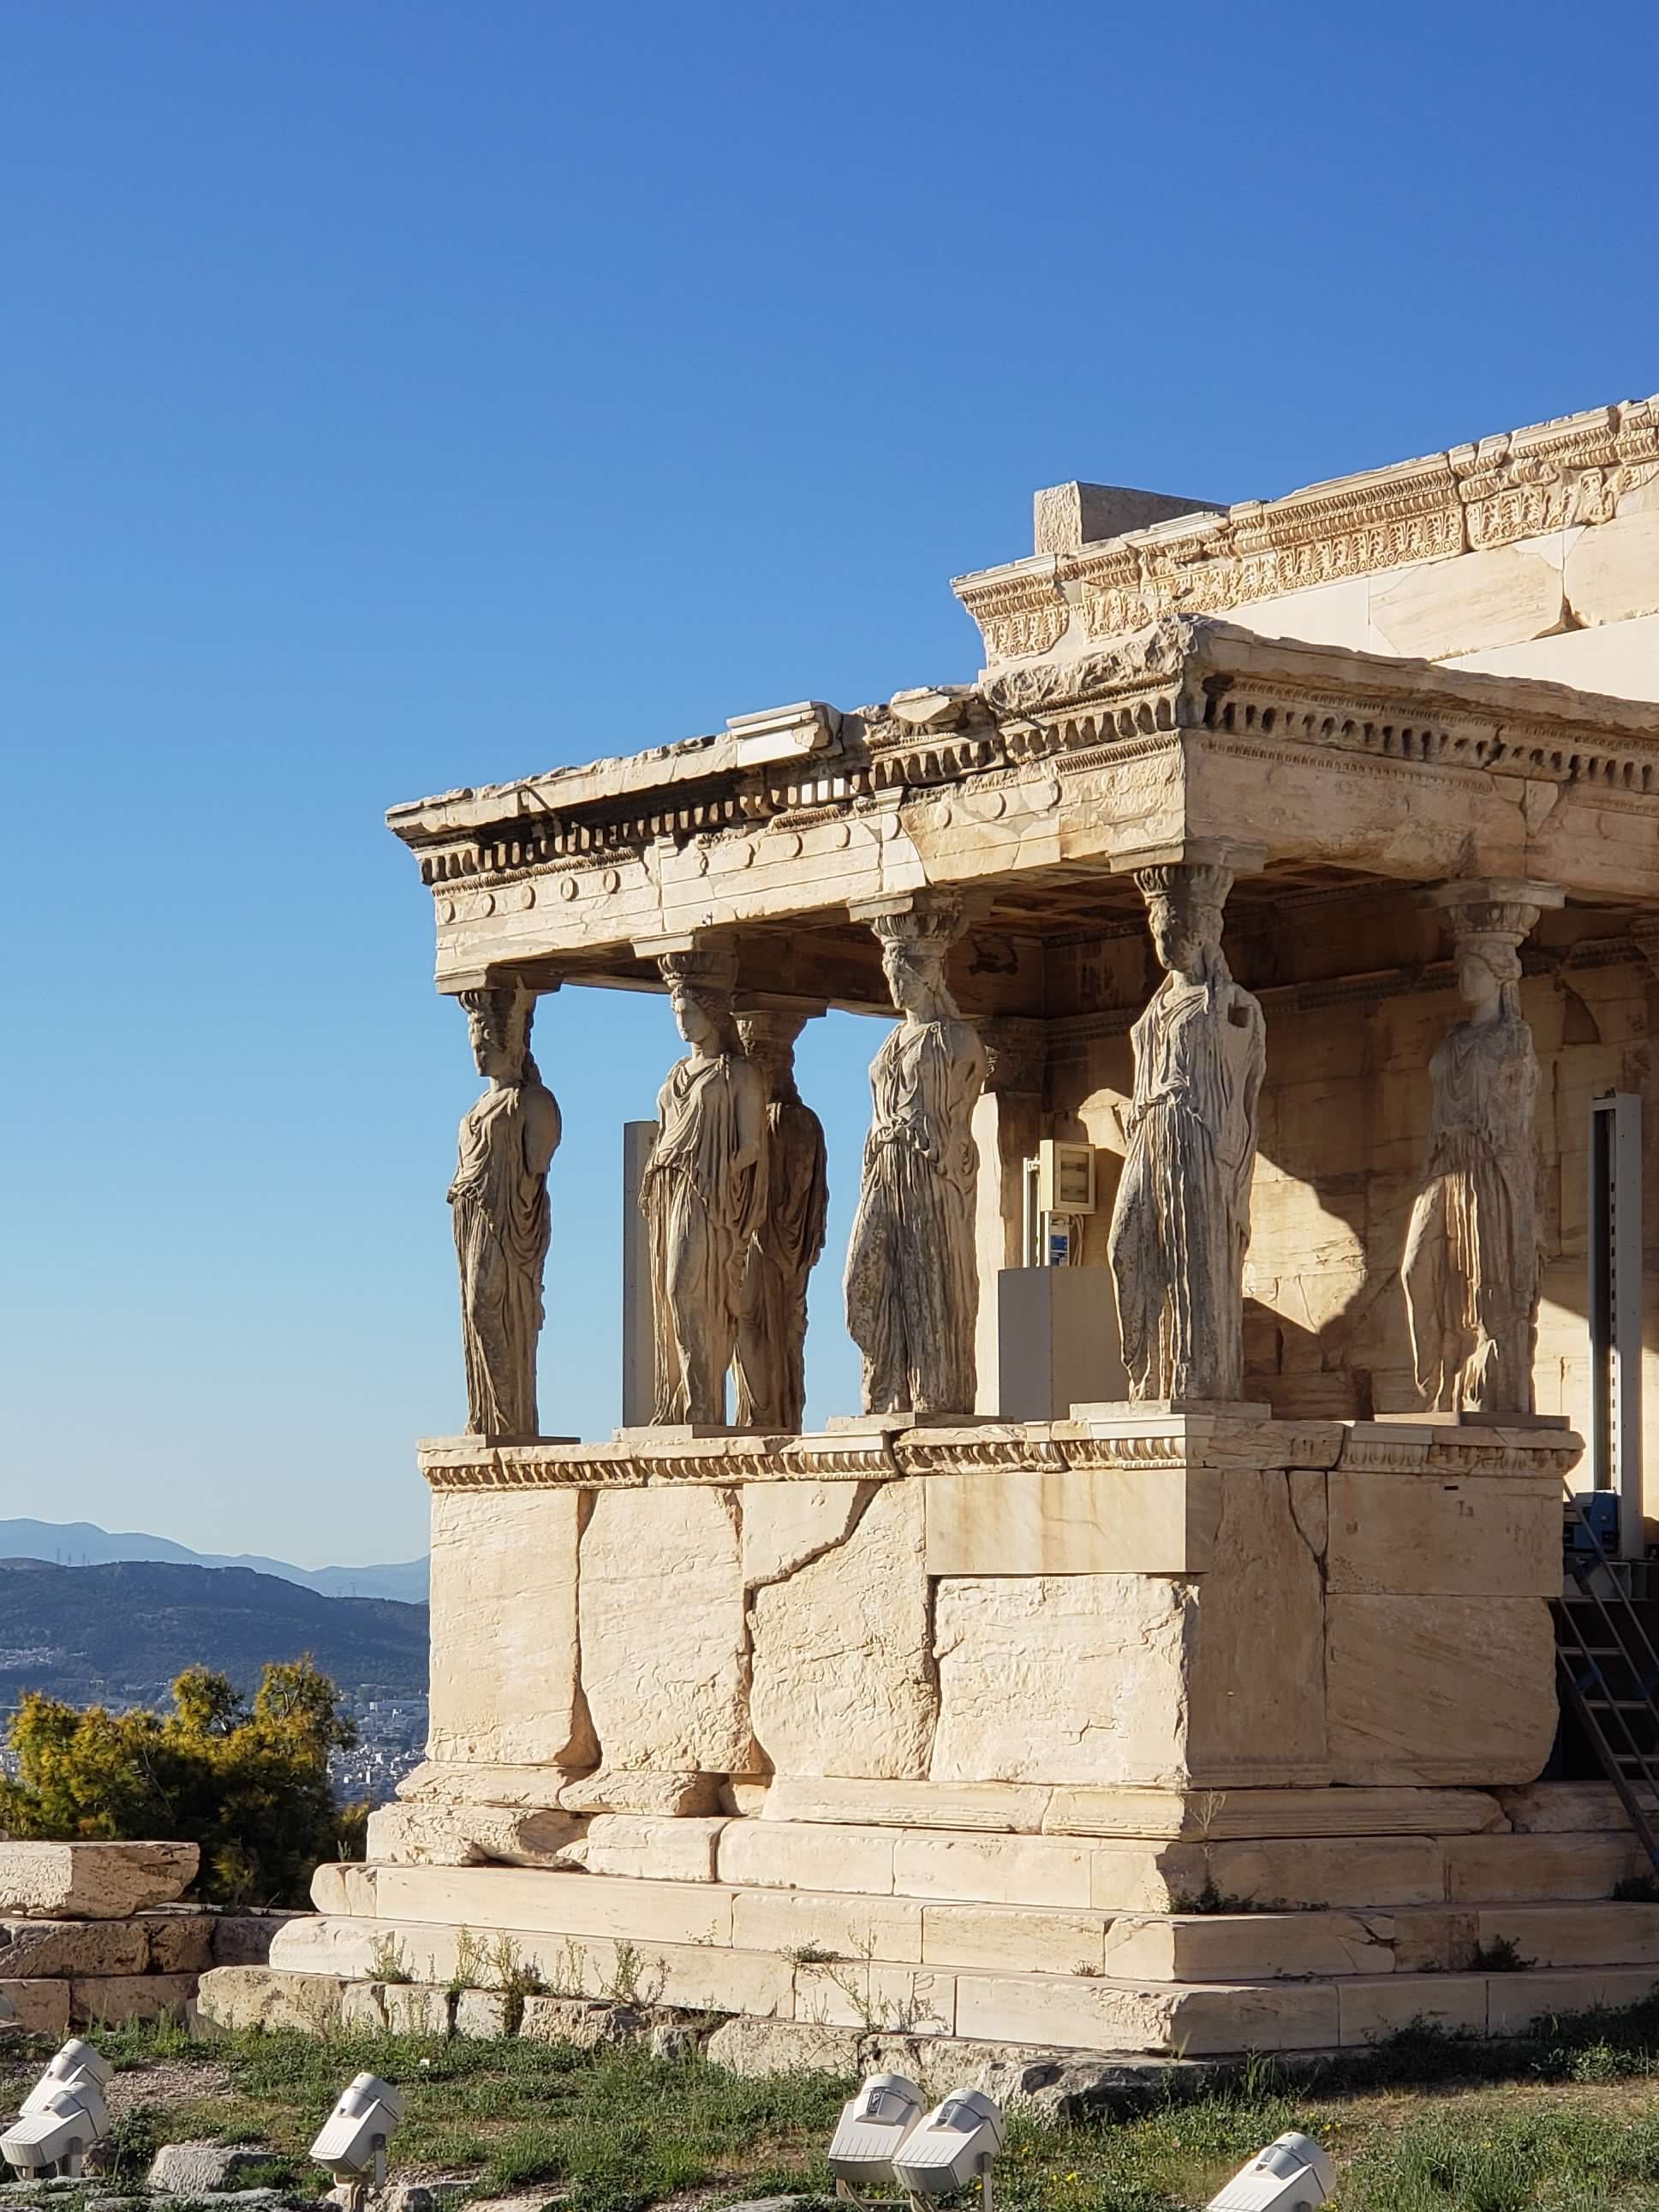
[1196, 1945]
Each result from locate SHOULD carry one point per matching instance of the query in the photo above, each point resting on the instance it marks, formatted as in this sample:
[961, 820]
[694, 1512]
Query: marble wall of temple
[1359, 990]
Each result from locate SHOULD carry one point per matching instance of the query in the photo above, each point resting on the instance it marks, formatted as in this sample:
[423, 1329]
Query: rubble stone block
[179, 1943]
[754, 2048]
[93, 1882]
[264, 1996]
[38, 2007]
[107, 2000]
[41, 1948]
[244, 1939]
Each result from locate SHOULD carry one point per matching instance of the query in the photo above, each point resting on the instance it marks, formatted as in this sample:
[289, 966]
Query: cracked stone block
[842, 1680]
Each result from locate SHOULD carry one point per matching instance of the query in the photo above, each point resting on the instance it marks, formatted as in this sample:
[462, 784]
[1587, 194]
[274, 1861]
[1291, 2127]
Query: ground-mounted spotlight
[62, 2117]
[873, 2127]
[1291, 2175]
[353, 2141]
[954, 2145]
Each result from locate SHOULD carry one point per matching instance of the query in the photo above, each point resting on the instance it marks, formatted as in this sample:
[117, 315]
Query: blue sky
[401, 395]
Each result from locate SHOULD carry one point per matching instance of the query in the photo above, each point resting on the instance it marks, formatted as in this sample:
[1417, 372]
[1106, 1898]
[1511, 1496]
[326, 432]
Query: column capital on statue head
[926, 915]
[497, 977]
[1493, 891]
[1232, 854]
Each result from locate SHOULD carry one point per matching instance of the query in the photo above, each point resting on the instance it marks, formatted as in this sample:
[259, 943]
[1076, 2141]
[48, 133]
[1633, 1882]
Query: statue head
[914, 947]
[498, 1024]
[768, 1037]
[1185, 904]
[1489, 974]
[700, 986]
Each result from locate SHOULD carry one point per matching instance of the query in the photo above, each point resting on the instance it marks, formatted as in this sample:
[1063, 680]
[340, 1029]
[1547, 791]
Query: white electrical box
[1064, 1178]
[872, 2127]
[951, 2146]
[1291, 2175]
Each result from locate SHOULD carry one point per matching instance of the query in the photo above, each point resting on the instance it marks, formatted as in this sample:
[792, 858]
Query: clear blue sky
[401, 395]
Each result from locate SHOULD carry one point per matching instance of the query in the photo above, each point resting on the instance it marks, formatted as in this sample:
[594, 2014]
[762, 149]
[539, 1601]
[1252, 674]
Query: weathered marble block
[504, 1687]
[664, 1664]
[842, 1669]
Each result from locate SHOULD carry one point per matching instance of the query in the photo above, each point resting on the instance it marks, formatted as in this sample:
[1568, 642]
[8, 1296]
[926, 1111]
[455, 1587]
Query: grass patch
[1565, 2120]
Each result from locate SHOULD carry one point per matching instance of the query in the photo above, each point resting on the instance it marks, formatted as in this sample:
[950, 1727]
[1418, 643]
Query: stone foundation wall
[91, 1935]
[1186, 1601]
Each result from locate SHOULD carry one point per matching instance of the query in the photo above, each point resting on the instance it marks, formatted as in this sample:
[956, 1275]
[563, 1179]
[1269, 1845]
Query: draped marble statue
[785, 1247]
[499, 1198]
[704, 1191]
[912, 1287]
[1182, 1220]
[1470, 1271]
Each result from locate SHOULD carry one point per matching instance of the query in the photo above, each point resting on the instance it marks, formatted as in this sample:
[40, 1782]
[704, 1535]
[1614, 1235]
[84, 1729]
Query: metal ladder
[1592, 1654]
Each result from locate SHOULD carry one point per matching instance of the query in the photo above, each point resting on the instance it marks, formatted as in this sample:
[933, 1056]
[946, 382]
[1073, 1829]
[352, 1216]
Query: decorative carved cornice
[1505, 489]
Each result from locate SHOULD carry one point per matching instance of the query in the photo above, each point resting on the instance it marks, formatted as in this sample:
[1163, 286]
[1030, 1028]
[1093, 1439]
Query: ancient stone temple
[1293, 869]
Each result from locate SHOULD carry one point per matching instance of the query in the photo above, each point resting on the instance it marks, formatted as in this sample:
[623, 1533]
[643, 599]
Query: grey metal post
[1615, 1310]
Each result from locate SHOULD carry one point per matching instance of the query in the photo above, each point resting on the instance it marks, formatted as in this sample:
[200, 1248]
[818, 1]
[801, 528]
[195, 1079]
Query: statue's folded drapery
[912, 1288]
[701, 1210]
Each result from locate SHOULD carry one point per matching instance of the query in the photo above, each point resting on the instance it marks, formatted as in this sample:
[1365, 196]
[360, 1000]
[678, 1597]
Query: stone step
[1135, 1814]
[1075, 2012]
[837, 1927]
[1057, 1873]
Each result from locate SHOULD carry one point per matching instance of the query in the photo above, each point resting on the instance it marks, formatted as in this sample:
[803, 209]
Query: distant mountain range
[80, 1544]
[117, 1634]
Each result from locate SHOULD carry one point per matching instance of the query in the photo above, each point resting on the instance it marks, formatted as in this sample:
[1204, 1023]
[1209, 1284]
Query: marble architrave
[1182, 1219]
[704, 1192]
[1471, 1265]
[502, 1226]
[771, 1375]
[912, 1288]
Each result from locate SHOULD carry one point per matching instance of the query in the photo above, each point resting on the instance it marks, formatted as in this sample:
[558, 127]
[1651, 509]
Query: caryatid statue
[1471, 1267]
[499, 1198]
[784, 1249]
[704, 1191]
[1183, 1217]
[912, 1285]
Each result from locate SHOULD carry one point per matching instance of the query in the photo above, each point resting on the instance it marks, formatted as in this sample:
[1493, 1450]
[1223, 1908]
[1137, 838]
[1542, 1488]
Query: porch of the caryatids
[1182, 1220]
[912, 1283]
[1471, 1265]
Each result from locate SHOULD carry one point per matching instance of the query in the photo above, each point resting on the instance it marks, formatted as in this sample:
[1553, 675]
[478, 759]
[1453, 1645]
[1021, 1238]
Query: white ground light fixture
[1291, 2175]
[871, 2128]
[62, 2117]
[353, 2141]
[953, 2146]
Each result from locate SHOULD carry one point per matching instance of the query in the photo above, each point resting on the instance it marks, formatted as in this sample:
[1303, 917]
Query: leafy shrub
[246, 1781]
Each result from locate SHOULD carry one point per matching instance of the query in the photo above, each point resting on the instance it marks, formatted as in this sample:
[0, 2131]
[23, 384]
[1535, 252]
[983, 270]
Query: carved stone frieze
[1473, 498]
